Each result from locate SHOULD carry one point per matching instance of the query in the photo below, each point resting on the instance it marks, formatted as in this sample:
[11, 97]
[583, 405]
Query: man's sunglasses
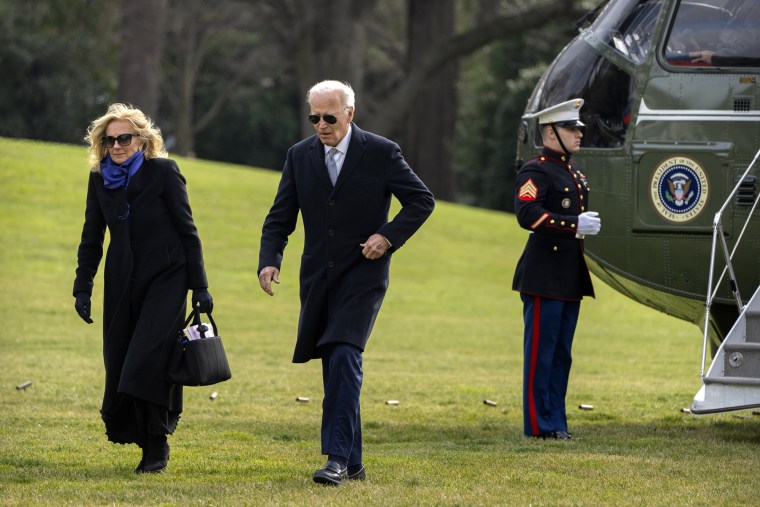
[124, 140]
[329, 118]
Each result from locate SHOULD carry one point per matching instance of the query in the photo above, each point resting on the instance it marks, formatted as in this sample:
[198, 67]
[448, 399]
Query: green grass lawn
[449, 336]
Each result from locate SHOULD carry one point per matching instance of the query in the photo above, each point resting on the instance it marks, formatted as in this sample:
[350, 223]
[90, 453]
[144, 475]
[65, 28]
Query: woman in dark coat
[154, 257]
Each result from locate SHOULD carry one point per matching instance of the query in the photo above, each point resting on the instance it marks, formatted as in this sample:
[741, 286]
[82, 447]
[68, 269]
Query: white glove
[588, 223]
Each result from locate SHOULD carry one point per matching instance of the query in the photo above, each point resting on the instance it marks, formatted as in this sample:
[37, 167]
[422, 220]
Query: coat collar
[356, 147]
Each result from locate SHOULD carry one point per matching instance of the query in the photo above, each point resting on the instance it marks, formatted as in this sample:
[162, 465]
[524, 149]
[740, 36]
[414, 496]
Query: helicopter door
[680, 186]
[696, 127]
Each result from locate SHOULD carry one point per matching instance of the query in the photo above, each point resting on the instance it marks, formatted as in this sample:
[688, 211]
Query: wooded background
[226, 79]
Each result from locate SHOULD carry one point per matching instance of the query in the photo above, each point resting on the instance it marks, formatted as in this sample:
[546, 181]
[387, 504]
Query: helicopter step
[742, 360]
[753, 327]
[733, 380]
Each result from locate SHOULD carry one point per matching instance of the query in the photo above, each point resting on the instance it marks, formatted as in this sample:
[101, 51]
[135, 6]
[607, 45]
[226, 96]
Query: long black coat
[153, 258]
[550, 193]
[341, 290]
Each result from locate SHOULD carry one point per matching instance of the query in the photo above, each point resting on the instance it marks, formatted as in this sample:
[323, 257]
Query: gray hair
[325, 87]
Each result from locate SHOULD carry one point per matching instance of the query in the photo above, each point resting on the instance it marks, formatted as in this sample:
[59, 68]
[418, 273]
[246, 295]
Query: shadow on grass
[276, 452]
[687, 435]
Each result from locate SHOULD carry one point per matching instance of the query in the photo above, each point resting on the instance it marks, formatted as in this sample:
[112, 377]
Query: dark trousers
[549, 328]
[341, 420]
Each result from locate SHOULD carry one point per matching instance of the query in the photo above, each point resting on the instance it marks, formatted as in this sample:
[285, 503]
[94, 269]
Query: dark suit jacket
[341, 290]
[154, 257]
[550, 193]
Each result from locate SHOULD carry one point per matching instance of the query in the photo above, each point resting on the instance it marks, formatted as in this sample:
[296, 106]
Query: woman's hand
[82, 306]
[202, 300]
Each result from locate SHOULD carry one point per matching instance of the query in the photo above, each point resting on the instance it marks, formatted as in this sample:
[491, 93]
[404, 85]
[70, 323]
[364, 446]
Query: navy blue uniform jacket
[341, 291]
[550, 193]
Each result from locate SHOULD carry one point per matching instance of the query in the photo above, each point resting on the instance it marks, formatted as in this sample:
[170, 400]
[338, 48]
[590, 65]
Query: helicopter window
[606, 89]
[627, 26]
[718, 33]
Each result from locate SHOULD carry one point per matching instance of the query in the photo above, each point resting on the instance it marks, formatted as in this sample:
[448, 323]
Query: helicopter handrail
[718, 232]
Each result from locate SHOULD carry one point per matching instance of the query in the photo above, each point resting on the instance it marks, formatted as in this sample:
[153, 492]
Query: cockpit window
[717, 33]
[627, 26]
[580, 71]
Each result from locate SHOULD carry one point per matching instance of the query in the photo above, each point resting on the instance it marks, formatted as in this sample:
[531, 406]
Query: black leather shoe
[156, 454]
[356, 475]
[332, 474]
[555, 435]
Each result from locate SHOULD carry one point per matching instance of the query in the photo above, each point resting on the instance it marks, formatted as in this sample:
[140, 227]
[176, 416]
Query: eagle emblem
[678, 185]
[679, 189]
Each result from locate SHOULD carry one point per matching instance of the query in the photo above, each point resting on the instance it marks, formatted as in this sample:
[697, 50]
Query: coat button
[331, 232]
[583, 208]
[567, 189]
[555, 248]
[331, 202]
[562, 223]
[330, 264]
[551, 221]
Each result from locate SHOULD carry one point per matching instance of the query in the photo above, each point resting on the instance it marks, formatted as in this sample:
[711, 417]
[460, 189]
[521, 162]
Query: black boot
[156, 454]
[141, 465]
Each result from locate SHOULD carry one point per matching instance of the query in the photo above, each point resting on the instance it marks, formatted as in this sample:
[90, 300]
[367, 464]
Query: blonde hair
[345, 91]
[149, 135]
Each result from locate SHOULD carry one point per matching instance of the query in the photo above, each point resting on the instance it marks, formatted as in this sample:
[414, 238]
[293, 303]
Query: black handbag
[201, 361]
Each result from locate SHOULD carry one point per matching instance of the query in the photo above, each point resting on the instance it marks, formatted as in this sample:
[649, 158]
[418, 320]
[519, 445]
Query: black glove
[202, 301]
[82, 306]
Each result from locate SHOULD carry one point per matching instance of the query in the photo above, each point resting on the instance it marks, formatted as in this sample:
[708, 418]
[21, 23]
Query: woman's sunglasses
[124, 139]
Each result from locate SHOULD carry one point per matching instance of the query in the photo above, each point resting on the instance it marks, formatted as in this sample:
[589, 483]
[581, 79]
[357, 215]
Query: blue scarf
[115, 176]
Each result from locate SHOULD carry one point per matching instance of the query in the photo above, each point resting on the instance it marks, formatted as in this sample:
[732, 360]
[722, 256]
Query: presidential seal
[679, 189]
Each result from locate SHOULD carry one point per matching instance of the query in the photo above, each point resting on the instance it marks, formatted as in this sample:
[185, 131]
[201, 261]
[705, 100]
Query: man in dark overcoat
[551, 201]
[341, 181]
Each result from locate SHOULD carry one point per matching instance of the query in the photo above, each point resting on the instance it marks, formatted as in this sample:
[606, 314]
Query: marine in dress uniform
[551, 201]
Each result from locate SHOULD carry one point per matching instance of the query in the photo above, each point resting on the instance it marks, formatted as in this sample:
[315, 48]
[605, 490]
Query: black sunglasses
[329, 118]
[124, 140]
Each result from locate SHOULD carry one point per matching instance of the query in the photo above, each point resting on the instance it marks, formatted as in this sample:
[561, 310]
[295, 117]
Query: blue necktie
[332, 168]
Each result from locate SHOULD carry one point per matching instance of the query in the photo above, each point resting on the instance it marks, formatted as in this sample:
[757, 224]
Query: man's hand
[589, 223]
[268, 275]
[702, 56]
[375, 247]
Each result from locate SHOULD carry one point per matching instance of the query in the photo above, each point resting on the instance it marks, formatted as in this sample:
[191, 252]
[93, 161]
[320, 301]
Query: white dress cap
[566, 114]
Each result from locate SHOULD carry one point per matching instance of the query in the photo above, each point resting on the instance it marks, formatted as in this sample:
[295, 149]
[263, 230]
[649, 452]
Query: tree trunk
[431, 119]
[328, 43]
[142, 34]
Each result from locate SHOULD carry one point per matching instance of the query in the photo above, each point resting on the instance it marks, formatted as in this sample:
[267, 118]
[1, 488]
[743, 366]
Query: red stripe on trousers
[533, 357]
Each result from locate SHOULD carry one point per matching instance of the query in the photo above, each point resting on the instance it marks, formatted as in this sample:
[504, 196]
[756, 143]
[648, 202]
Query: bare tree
[322, 40]
[220, 39]
[142, 33]
[404, 76]
[520, 19]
